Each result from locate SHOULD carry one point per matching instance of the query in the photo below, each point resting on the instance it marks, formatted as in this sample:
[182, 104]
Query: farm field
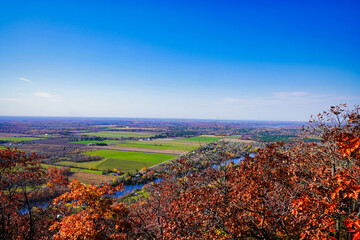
[201, 139]
[143, 150]
[44, 136]
[18, 139]
[133, 156]
[92, 171]
[128, 161]
[123, 165]
[81, 164]
[46, 166]
[119, 134]
[94, 141]
[166, 145]
[90, 177]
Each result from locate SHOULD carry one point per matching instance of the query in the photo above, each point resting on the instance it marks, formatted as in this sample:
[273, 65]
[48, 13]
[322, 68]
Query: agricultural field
[123, 165]
[119, 134]
[204, 139]
[92, 171]
[90, 177]
[127, 161]
[44, 136]
[180, 144]
[133, 156]
[165, 145]
[80, 164]
[95, 141]
[73, 170]
[18, 139]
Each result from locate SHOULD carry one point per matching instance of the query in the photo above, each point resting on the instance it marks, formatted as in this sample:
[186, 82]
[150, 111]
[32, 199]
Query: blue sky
[246, 60]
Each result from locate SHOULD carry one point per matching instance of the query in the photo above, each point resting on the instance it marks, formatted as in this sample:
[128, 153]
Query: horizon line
[157, 118]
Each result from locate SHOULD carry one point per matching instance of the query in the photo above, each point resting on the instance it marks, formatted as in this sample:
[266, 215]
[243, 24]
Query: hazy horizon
[140, 118]
[251, 61]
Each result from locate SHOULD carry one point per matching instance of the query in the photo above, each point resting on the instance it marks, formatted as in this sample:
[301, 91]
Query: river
[129, 188]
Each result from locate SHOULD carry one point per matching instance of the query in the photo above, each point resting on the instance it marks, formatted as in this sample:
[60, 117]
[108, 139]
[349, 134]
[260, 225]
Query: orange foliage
[96, 214]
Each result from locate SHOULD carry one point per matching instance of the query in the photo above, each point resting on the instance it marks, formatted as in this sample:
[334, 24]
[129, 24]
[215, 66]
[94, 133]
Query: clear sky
[246, 60]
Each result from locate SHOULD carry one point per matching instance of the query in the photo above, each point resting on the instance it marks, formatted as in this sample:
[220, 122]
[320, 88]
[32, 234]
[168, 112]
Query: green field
[161, 145]
[201, 139]
[92, 171]
[119, 134]
[43, 135]
[81, 164]
[133, 156]
[18, 139]
[128, 161]
[94, 141]
[123, 165]
[46, 166]
[122, 160]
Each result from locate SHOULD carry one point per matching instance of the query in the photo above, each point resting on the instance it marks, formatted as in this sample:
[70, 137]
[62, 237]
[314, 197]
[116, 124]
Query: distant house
[144, 139]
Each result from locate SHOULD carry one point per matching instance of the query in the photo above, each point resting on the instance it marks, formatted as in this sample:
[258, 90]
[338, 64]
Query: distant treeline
[275, 138]
[87, 139]
[177, 134]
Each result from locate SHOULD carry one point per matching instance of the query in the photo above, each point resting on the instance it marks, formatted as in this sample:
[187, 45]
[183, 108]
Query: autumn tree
[92, 213]
[21, 178]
